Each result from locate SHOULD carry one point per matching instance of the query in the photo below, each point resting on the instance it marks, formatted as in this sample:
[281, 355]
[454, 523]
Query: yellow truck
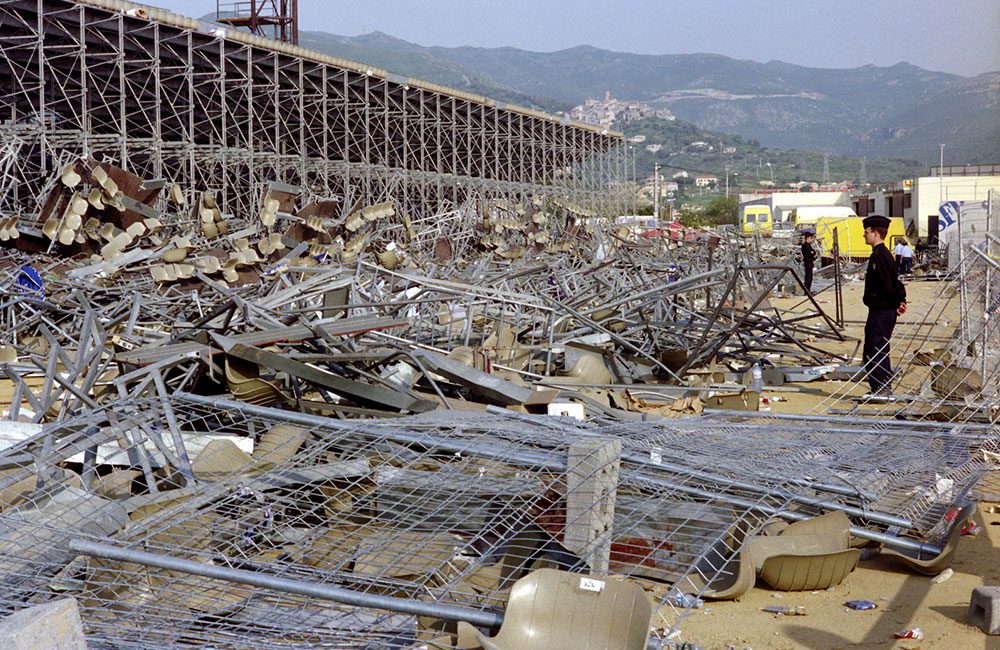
[849, 227]
[754, 218]
[805, 217]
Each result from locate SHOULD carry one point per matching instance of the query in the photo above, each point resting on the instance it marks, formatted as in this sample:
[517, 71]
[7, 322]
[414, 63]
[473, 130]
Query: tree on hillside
[722, 210]
[719, 211]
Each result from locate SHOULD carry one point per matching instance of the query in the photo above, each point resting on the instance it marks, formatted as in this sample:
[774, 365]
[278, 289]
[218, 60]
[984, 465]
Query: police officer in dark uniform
[885, 297]
[808, 259]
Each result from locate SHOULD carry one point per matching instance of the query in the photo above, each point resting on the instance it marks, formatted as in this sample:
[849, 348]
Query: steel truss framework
[171, 97]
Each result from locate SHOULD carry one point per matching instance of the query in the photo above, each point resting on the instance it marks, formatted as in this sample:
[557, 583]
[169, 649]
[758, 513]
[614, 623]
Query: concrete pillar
[51, 626]
[591, 488]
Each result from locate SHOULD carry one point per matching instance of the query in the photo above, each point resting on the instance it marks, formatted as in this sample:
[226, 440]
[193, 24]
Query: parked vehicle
[851, 236]
[782, 229]
[756, 218]
[804, 217]
[823, 220]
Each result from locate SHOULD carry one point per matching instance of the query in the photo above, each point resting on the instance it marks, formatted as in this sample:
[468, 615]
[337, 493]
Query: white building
[606, 112]
[705, 181]
[919, 201]
[782, 203]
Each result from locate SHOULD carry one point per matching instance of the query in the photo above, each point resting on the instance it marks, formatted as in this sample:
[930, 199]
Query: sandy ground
[904, 599]
[927, 323]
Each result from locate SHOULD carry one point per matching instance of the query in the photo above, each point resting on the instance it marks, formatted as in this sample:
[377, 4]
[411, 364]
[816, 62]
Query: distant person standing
[907, 257]
[898, 252]
[921, 251]
[885, 297]
[808, 260]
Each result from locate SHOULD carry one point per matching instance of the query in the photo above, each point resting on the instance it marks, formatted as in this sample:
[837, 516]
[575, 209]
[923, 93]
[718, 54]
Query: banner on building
[965, 221]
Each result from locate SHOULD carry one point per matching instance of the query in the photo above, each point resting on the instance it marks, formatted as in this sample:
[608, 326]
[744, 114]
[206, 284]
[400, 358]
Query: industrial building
[918, 201]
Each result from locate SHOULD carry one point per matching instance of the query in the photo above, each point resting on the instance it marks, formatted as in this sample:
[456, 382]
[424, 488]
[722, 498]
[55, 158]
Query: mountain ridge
[901, 110]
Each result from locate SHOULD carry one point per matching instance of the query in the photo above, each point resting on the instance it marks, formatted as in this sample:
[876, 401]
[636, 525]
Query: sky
[957, 36]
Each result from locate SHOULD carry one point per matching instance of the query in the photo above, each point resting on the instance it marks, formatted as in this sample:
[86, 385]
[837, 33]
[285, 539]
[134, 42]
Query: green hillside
[896, 111]
[747, 159]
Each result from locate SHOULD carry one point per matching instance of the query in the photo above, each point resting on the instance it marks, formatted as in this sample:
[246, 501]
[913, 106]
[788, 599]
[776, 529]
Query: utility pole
[635, 182]
[826, 168]
[656, 192]
[941, 180]
[727, 181]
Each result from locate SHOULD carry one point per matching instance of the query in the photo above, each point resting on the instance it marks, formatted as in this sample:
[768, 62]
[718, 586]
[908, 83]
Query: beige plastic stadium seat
[930, 566]
[557, 610]
[243, 379]
[806, 555]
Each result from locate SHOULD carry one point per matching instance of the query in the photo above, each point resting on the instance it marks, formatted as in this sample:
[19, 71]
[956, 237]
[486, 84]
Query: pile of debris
[364, 310]
[327, 424]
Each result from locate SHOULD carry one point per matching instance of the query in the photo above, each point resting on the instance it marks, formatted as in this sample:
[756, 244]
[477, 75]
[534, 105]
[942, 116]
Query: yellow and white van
[756, 218]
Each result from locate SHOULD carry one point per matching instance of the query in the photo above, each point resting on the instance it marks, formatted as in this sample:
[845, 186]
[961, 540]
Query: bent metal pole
[479, 618]
[555, 461]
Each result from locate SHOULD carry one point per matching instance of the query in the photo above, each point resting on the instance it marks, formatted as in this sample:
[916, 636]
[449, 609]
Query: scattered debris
[860, 605]
[944, 575]
[913, 633]
[785, 610]
[686, 601]
[282, 414]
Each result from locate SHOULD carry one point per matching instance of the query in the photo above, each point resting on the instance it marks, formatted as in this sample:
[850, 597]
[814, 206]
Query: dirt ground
[928, 323]
[905, 600]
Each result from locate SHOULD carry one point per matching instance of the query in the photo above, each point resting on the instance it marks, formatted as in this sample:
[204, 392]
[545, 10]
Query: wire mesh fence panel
[443, 508]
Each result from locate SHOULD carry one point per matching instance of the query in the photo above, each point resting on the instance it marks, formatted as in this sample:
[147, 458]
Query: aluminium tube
[541, 459]
[644, 461]
[894, 432]
[476, 617]
[886, 425]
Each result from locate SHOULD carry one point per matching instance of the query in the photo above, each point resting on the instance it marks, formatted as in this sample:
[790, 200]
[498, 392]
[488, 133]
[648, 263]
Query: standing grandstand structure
[217, 109]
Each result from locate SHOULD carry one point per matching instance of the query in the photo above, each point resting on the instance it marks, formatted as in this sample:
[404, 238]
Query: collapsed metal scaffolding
[291, 530]
[460, 267]
[169, 97]
[181, 501]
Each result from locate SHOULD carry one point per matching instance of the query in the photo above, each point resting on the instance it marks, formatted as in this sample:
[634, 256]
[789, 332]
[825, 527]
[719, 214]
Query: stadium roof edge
[164, 16]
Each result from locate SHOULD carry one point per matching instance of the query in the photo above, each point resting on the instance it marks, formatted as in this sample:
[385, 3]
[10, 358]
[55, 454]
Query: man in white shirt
[897, 251]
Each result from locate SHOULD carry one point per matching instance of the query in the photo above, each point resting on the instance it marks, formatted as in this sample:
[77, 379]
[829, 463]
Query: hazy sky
[959, 36]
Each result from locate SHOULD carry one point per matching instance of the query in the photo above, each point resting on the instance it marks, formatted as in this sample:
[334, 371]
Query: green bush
[719, 211]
